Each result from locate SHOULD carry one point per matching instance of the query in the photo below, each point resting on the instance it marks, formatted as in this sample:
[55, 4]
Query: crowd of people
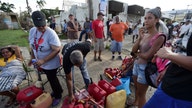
[174, 82]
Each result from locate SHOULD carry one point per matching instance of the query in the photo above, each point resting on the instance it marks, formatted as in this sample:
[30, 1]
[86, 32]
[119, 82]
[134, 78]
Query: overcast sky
[166, 5]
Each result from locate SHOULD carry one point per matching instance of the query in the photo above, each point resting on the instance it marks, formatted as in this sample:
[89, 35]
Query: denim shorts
[139, 71]
[116, 46]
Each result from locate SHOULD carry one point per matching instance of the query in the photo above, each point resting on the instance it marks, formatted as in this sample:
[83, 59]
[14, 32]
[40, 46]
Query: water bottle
[33, 62]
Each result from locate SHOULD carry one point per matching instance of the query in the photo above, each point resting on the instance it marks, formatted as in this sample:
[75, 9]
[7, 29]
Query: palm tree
[29, 10]
[40, 4]
[6, 7]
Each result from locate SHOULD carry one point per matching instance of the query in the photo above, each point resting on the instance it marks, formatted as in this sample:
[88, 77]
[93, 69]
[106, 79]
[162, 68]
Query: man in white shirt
[184, 28]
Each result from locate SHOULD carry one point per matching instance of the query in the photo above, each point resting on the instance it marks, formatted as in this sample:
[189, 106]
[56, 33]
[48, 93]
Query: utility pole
[90, 7]
[28, 7]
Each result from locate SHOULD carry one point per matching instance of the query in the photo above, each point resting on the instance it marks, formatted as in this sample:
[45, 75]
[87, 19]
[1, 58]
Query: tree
[40, 4]
[6, 7]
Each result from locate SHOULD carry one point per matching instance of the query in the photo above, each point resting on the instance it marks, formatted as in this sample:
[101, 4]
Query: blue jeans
[82, 33]
[84, 72]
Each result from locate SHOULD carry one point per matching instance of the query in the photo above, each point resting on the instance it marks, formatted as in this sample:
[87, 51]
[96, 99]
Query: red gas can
[111, 73]
[28, 95]
[109, 88]
[66, 103]
[79, 106]
[96, 92]
[115, 82]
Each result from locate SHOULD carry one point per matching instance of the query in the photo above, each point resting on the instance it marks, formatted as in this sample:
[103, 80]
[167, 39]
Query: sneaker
[120, 58]
[56, 102]
[113, 57]
[99, 58]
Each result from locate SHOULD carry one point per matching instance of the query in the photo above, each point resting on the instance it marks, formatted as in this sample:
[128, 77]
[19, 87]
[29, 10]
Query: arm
[17, 52]
[104, 36]
[75, 27]
[70, 86]
[55, 51]
[135, 48]
[181, 60]
[95, 40]
[154, 48]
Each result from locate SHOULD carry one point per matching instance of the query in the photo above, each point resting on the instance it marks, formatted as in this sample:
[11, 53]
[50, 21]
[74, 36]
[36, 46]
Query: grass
[13, 37]
[17, 37]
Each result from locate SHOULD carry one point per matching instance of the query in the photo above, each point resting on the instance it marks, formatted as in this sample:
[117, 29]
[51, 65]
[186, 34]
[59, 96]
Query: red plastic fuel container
[66, 103]
[28, 95]
[115, 82]
[109, 88]
[96, 92]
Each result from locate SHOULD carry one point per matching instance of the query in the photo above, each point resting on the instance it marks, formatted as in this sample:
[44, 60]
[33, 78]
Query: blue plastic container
[125, 85]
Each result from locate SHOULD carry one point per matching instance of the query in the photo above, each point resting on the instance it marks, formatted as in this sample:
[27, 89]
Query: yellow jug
[116, 99]
[43, 101]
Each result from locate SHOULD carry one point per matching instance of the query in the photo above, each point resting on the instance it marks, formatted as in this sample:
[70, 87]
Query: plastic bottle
[33, 62]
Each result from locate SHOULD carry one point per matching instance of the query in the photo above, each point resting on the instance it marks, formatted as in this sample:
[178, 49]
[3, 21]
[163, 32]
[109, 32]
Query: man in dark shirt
[74, 54]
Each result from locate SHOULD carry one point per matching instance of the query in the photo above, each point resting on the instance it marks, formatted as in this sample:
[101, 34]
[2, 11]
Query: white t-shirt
[136, 30]
[184, 29]
[48, 38]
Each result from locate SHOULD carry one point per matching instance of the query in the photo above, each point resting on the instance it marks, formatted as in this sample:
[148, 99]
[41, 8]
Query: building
[9, 21]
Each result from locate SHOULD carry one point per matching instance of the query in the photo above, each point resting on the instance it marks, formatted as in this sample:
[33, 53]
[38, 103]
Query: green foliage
[6, 7]
[50, 12]
[13, 37]
[41, 3]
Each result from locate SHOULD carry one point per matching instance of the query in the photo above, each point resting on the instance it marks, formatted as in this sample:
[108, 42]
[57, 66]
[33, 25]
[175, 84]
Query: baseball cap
[39, 18]
[100, 13]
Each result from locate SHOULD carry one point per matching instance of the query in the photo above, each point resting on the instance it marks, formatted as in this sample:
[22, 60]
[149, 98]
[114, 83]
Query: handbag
[151, 74]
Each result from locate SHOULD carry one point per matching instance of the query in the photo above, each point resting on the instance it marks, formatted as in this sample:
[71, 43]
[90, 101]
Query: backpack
[153, 69]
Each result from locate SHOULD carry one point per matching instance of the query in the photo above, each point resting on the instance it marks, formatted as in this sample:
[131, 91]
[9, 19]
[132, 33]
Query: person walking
[136, 28]
[99, 36]
[45, 47]
[117, 29]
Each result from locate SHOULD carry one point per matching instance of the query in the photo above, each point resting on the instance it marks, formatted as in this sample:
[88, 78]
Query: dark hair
[9, 49]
